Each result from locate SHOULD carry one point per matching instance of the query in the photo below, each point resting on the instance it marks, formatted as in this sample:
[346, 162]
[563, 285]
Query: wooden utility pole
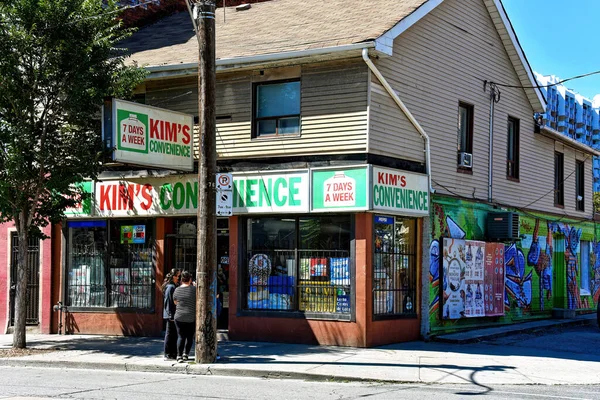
[206, 268]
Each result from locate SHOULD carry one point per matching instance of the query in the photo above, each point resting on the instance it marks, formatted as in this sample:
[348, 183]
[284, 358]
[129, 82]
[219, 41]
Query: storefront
[328, 256]
[324, 255]
[119, 247]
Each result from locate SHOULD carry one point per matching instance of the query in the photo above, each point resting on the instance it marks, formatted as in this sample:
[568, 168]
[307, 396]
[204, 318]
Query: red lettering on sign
[104, 200]
[153, 128]
[147, 196]
[139, 140]
[170, 132]
[384, 178]
[186, 134]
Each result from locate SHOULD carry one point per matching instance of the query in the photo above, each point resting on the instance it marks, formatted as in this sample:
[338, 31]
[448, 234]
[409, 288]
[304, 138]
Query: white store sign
[149, 136]
[400, 191]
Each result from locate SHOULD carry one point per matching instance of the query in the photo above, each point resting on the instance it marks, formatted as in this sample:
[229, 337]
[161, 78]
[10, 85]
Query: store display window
[394, 266]
[299, 264]
[111, 264]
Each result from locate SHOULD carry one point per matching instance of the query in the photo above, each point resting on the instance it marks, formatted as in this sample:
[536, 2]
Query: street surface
[86, 384]
[572, 342]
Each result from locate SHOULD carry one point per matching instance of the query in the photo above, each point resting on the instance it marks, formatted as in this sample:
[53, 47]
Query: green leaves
[58, 63]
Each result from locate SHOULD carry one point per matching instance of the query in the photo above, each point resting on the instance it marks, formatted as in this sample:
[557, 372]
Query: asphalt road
[86, 384]
[575, 342]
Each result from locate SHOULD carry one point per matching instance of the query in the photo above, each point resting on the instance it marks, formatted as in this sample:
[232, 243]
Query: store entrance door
[182, 254]
[223, 271]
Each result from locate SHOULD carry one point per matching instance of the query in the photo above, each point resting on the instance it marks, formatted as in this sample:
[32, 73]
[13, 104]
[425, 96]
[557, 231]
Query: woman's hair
[186, 277]
[169, 278]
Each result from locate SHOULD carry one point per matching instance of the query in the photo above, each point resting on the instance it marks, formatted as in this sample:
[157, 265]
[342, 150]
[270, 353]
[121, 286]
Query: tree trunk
[19, 341]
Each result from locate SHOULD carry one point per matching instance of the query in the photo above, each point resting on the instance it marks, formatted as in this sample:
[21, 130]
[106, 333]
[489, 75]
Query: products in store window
[280, 301]
[342, 304]
[318, 267]
[340, 271]
[281, 285]
[259, 267]
[305, 268]
[258, 299]
[318, 297]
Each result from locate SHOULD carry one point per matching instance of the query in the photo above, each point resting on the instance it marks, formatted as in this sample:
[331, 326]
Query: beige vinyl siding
[390, 132]
[333, 112]
[442, 60]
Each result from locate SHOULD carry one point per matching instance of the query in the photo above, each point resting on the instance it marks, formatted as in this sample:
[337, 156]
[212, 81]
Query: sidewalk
[433, 362]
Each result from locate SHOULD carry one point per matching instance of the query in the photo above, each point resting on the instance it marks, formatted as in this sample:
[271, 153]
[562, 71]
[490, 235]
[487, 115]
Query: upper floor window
[465, 135]
[559, 184]
[277, 108]
[579, 185]
[512, 154]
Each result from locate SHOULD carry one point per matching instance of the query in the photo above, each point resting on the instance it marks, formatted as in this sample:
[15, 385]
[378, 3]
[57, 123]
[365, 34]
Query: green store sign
[270, 192]
[353, 188]
[340, 189]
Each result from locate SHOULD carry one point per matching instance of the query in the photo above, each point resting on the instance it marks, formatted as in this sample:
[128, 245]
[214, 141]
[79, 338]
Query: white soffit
[385, 42]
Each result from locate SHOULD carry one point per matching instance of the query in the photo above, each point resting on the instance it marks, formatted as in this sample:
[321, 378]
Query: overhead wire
[543, 86]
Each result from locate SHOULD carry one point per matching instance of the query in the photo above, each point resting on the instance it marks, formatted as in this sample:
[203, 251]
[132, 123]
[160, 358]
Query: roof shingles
[270, 27]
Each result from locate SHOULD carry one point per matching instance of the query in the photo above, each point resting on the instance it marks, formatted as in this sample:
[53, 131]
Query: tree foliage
[58, 63]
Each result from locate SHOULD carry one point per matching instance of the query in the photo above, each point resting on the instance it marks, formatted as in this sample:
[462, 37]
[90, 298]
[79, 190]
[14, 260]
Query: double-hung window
[277, 109]
[465, 135]
[512, 154]
[579, 185]
[559, 174]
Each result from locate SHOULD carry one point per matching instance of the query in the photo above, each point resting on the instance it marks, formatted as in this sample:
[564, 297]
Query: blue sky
[560, 37]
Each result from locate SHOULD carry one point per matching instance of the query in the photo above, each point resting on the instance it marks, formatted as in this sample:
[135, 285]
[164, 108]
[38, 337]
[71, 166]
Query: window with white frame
[584, 251]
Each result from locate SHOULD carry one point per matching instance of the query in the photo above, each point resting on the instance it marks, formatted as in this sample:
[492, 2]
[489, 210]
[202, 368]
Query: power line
[544, 86]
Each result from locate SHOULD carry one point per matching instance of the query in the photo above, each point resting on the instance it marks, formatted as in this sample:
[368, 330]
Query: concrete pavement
[433, 362]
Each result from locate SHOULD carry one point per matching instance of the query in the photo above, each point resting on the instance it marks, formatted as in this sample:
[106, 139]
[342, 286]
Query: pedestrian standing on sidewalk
[185, 316]
[168, 288]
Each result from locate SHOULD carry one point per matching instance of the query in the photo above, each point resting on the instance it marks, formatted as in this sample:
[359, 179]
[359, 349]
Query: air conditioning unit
[465, 160]
[502, 226]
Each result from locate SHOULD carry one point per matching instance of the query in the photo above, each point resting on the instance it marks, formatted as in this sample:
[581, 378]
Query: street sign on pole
[224, 195]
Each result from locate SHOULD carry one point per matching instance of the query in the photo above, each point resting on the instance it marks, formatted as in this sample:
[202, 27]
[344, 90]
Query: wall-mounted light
[579, 198]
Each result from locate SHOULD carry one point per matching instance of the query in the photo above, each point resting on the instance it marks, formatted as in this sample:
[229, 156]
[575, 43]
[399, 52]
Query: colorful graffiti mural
[518, 285]
[572, 236]
[546, 250]
[595, 272]
[542, 263]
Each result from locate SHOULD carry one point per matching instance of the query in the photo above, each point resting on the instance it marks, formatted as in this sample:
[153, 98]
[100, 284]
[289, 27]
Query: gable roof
[270, 27]
[285, 29]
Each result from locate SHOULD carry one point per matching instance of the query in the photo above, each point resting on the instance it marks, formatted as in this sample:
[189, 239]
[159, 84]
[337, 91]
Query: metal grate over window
[394, 267]
[314, 278]
[111, 264]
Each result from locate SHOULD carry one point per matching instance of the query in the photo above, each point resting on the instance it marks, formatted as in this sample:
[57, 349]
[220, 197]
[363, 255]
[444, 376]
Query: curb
[514, 329]
[189, 369]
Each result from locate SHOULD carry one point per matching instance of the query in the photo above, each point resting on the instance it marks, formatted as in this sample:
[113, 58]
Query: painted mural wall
[544, 269]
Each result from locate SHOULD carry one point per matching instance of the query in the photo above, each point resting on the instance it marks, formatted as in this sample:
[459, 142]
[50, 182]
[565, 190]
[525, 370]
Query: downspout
[426, 227]
[494, 98]
[400, 104]
[491, 138]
